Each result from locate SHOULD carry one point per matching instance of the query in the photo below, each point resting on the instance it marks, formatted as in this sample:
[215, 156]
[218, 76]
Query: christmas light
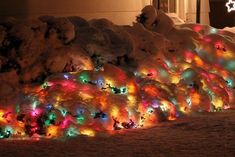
[197, 79]
[72, 132]
[88, 132]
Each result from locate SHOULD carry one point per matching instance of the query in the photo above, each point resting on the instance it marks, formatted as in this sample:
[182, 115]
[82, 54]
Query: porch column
[204, 11]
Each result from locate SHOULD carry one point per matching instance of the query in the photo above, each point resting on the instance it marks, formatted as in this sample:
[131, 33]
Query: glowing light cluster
[87, 102]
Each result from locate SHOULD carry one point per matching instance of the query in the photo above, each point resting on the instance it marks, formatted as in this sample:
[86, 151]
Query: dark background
[14, 8]
[219, 16]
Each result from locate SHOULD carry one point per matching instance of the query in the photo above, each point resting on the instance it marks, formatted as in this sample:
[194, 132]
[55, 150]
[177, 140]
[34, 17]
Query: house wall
[186, 10]
[118, 11]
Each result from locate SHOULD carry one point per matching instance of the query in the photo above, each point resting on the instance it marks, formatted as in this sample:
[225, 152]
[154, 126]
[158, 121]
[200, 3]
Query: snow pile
[69, 76]
[230, 29]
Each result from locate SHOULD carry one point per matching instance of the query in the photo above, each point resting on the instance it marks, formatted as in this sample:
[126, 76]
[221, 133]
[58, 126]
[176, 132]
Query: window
[174, 8]
[168, 6]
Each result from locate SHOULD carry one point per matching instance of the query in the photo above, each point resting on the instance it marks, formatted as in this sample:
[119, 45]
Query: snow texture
[83, 77]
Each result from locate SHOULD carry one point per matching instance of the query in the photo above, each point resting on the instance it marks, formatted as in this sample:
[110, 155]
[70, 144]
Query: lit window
[168, 6]
[173, 8]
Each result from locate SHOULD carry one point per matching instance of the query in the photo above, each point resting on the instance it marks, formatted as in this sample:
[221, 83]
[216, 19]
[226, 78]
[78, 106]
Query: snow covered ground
[230, 29]
[205, 134]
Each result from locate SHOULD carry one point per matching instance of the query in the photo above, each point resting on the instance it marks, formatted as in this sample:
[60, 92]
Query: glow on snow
[110, 98]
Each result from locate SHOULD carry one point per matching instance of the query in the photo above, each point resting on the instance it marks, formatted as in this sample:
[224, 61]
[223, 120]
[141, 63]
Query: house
[120, 12]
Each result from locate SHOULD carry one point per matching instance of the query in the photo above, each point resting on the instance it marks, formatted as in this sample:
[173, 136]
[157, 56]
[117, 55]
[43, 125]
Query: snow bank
[68, 76]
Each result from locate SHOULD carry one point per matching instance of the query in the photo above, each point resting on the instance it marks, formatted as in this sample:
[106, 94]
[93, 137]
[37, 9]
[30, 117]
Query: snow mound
[68, 76]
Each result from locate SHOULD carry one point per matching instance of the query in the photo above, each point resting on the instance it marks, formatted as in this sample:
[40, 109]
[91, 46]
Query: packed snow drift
[67, 76]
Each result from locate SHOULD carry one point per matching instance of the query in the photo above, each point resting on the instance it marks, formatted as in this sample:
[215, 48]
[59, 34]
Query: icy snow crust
[68, 76]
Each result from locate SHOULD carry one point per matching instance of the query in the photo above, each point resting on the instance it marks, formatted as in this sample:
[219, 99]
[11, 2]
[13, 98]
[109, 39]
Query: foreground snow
[230, 29]
[209, 134]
